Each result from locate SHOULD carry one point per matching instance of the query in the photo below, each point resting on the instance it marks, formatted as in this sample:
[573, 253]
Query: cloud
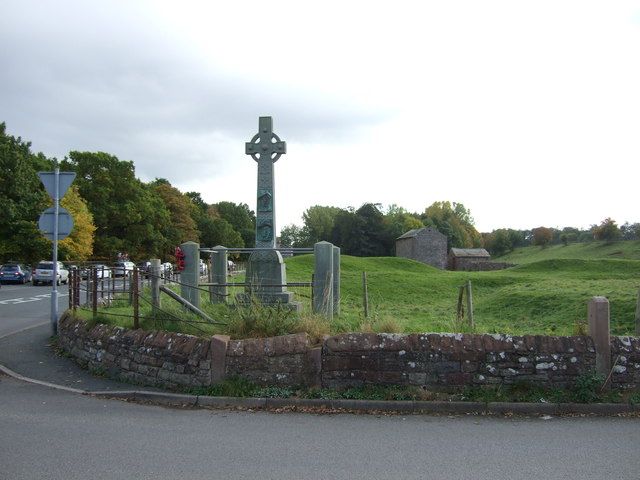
[88, 77]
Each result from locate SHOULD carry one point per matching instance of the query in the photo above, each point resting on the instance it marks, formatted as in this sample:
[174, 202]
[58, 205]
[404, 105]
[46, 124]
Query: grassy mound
[544, 297]
[626, 250]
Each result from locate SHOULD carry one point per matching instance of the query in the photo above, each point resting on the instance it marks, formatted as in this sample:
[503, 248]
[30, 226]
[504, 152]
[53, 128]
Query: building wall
[428, 246]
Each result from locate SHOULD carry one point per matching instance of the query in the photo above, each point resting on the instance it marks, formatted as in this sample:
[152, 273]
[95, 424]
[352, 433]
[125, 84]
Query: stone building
[467, 258]
[426, 245]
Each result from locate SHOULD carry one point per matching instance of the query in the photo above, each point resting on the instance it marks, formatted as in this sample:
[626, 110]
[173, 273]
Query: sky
[528, 113]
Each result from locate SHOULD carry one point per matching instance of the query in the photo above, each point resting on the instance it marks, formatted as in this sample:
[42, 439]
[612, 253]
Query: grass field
[628, 250]
[540, 296]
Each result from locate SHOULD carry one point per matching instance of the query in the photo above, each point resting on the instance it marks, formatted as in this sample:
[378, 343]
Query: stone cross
[265, 148]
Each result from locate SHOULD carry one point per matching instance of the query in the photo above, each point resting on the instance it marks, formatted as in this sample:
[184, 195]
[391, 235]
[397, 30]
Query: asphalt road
[23, 306]
[58, 435]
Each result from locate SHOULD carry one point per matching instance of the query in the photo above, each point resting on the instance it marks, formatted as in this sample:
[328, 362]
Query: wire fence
[111, 291]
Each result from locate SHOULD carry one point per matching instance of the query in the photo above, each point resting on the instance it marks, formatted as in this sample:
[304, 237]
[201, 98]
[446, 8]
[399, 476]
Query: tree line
[115, 212]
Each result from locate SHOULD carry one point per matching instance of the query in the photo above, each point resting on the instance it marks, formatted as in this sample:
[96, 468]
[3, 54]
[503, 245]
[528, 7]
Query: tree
[498, 242]
[241, 218]
[375, 240]
[22, 200]
[347, 231]
[363, 232]
[630, 231]
[542, 236]
[398, 221]
[607, 230]
[293, 236]
[318, 223]
[79, 244]
[454, 221]
[129, 216]
[217, 231]
[182, 226]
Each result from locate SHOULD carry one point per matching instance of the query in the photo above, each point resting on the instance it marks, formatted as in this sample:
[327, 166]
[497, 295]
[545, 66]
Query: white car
[103, 271]
[44, 273]
[166, 269]
[122, 269]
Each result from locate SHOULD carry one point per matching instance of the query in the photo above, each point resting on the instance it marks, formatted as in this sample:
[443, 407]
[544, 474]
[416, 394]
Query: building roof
[470, 252]
[417, 231]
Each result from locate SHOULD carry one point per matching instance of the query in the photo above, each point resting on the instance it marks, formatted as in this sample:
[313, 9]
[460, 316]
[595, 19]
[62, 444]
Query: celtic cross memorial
[265, 148]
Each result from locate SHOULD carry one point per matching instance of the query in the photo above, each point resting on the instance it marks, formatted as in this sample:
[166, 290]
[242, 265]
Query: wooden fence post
[460, 309]
[638, 315]
[76, 288]
[136, 299]
[365, 292]
[470, 305]
[71, 281]
[94, 292]
[155, 285]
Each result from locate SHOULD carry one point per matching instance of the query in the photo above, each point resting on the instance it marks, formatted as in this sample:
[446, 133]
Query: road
[58, 435]
[23, 306]
[46, 433]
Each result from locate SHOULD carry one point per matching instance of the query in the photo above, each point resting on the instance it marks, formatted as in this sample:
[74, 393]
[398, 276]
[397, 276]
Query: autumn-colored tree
[182, 227]
[607, 231]
[542, 236]
[78, 245]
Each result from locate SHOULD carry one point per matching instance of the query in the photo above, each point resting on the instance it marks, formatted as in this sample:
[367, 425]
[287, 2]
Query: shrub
[586, 389]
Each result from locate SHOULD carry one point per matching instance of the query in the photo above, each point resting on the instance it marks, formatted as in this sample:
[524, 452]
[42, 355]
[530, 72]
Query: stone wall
[446, 360]
[173, 360]
[148, 358]
[284, 360]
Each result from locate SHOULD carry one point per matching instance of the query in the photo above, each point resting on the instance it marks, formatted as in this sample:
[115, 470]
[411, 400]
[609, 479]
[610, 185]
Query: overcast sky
[528, 113]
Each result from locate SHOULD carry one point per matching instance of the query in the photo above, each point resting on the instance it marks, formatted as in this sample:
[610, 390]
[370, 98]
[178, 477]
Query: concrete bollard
[219, 266]
[598, 313]
[190, 276]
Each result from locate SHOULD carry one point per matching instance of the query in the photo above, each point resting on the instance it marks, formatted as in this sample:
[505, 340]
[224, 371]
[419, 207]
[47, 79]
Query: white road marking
[16, 301]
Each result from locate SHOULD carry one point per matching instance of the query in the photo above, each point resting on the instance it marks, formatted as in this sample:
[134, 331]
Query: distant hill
[626, 250]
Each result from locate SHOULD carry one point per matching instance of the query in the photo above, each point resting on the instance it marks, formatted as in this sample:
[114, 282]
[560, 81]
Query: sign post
[56, 184]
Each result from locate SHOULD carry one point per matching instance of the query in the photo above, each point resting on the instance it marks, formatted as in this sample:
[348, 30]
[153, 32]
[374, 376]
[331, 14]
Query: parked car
[15, 273]
[103, 271]
[166, 269]
[122, 269]
[44, 273]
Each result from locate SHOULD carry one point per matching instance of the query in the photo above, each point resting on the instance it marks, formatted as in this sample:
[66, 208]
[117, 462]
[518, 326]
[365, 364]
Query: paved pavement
[29, 353]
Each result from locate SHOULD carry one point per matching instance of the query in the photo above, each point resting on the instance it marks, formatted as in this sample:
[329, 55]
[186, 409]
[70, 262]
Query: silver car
[44, 273]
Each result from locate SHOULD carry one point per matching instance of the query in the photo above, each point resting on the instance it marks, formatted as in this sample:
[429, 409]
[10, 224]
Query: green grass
[548, 296]
[624, 250]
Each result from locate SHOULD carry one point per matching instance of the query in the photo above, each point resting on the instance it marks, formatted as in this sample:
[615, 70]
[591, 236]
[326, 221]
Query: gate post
[190, 276]
[219, 267]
